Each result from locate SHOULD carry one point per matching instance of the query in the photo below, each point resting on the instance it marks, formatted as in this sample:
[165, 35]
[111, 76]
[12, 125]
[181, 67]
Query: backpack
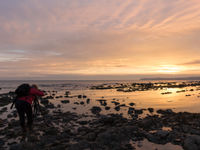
[23, 90]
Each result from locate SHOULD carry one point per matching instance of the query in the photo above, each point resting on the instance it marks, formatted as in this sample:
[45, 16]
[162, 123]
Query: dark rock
[96, 110]
[1, 142]
[67, 93]
[102, 102]
[65, 101]
[9, 116]
[148, 122]
[138, 111]
[116, 103]
[49, 97]
[88, 101]
[44, 101]
[131, 104]
[117, 108]
[150, 110]
[113, 138]
[91, 136]
[107, 108]
[82, 145]
[79, 96]
[152, 138]
[83, 122]
[51, 106]
[82, 103]
[162, 133]
[51, 131]
[167, 111]
[76, 103]
[122, 105]
[85, 129]
[130, 110]
[192, 142]
[4, 109]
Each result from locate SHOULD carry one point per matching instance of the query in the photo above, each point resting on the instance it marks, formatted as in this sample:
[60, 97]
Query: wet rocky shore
[56, 129]
[132, 87]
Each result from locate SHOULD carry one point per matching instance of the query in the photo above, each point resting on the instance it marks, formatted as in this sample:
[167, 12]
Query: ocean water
[59, 85]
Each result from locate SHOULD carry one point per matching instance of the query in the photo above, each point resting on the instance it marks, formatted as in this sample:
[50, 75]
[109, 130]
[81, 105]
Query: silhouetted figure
[26, 94]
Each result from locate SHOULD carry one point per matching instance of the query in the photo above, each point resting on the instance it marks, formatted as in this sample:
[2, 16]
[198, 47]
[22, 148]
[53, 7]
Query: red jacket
[32, 94]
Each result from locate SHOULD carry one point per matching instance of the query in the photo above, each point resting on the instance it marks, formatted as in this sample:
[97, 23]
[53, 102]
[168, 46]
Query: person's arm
[36, 92]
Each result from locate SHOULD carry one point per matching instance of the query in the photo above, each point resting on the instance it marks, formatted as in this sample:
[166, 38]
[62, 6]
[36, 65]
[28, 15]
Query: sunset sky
[72, 39]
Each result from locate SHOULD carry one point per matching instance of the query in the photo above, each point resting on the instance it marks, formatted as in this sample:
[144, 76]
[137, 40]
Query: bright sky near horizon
[99, 37]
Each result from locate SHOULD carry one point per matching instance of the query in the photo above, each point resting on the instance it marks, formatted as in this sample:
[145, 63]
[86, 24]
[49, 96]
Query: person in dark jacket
[23, 106]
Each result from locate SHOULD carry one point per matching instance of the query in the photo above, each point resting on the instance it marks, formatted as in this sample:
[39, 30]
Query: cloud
[195, 62]
[107, 36]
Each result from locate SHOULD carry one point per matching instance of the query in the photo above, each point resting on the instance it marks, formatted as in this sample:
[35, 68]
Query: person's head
[35, 86]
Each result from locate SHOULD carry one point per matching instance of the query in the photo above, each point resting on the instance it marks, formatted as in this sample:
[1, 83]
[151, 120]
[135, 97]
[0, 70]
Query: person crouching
[25, 97]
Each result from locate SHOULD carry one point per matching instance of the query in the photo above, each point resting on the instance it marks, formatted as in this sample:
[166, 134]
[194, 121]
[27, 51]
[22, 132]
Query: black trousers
[23, 108]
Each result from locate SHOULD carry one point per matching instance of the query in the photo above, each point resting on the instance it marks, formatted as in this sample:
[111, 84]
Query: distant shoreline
[184, 78]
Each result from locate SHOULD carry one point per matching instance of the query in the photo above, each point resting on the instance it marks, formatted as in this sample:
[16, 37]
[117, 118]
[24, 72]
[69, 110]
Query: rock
[44, 101]
[83, 128]
[151, 110]
[122, 105]
[146, 123]
[96, 110]
[112, 138]
[102, 102]
[88, 101]
[82, 103]
[167, 111]
[9, 116]
[51, 106]
[1, 142]
[107, 108]
[76, 103]
[117, 108]
[130, 110]
[79, 96]
[67, 93]
[48, 97]
[5, 99]
[51, 131]
[81, 145]
[138, 111]
[4, 109]
[91, 136]
[83, 122]
[152, 138]
[192, 142]
[116, 103]
[131, 104]
[65, 101]
[162, 133]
